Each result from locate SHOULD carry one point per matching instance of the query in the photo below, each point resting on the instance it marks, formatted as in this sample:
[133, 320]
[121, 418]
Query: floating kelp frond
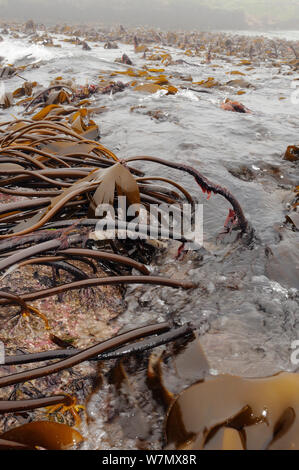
[206, 185]
[228, 412]
[44, 434]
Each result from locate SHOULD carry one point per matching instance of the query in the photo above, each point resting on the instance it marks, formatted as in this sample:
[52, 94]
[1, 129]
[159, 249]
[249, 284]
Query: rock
[283, 263]
[110, 45]
[85, 46]
[30, 26]
[234, 106]
[292, 153]
[239, 83]
[126, 60]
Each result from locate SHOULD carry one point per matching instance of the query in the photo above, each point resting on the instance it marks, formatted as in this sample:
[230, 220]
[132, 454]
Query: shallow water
[246, 318]
[289, 35]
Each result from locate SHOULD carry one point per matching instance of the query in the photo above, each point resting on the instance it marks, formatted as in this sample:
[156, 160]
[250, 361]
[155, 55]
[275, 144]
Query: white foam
[14, 50]
[187, 94]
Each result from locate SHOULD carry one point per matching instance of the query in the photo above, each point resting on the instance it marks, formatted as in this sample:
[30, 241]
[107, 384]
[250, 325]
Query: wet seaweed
[52, 162]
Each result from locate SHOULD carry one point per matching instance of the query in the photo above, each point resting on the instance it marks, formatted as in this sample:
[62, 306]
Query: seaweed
[239, 413]
[53, 163]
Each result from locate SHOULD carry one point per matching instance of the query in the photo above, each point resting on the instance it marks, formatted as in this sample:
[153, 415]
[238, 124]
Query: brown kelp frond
[41, 434]
[105, 281]
[166, 180]
[131, 342]
[115, 353]
[26, 405]
[251, 414]
[206, 185]
[85, 354]
[12, 445]
[26, 309]
[78, 189]
[41, 95]
[55, 176]
[40, 136]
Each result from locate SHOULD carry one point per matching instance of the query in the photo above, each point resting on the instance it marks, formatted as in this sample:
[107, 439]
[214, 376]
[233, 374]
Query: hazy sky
[164, 13]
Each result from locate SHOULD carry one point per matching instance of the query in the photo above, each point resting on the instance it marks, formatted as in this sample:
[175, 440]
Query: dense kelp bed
[102, 334]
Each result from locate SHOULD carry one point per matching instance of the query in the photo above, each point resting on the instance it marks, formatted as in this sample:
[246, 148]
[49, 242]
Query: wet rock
[234, 106]
[283, 263]
[243, 172]
[189, 146]
[292, 153]
[239, 83]
[113, 87]
[110, 45]
[126, 60]
[85, 46]
[30, 26]
[293, 219]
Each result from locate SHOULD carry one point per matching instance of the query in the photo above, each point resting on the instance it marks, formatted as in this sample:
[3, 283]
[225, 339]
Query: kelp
[229, 412]
[52, 159]
[42, 434]
[84, 355]
[121, 351]
[212, 412]
[50, 435]
[45, 158]
[141, 390]
[205, 185]
[13, 145]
